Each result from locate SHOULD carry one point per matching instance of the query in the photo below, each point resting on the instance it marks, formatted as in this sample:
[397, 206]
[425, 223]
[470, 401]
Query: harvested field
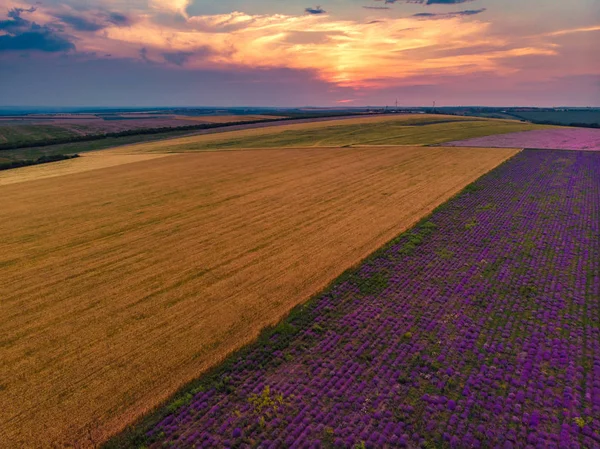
[479, 328]
[552, 139]
[121, 284]
[369, 131]
[84, 163]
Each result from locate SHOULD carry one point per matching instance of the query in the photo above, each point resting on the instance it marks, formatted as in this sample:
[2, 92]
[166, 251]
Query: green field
[378, 131]
[82, 147]
[26, 134]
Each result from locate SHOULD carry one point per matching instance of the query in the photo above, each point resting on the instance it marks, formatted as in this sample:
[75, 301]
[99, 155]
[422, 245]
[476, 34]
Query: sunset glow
[356, 50]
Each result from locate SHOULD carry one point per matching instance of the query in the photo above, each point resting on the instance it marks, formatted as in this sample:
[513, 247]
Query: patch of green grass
[471, 224]
[472, 188]
[416, 238]
[445, 253]
[488, 206]
[25, 134]
[373, 284]
[528, 291]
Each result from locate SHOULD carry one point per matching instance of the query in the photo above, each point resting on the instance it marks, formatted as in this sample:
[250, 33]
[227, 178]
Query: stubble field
[121, 284]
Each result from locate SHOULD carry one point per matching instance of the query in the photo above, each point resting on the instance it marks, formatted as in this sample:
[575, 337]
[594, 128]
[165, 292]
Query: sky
[145, 53]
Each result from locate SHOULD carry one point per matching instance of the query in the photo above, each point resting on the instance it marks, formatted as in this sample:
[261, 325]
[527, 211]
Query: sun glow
[347, 53]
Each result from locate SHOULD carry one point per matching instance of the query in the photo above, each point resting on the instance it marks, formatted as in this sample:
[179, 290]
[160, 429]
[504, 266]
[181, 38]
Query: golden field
[121, 284]
[87, 162]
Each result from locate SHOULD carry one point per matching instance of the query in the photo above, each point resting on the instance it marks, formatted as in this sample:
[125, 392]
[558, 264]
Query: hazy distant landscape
[32, 134]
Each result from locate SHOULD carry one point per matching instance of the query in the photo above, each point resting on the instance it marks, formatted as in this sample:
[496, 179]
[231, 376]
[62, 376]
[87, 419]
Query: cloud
[80, 23]
[178, 7]
[445, 2]
[144, 54]
[15, 13]
[35, 40]
[352, 54]
[431, 2]
[574, 30]
[317, 10]
[15, 22]
[92, 22]
[118, 19]
[100, 82]
[178, 58]
[347, 53]
[23, 35]
[468, 12]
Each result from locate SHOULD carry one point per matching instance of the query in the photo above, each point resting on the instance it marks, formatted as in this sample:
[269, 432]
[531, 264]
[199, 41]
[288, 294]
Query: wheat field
[121, 284]
[86, 162]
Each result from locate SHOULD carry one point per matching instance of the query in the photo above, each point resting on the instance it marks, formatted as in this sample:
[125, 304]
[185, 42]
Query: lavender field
[478, 328]
[587, 139]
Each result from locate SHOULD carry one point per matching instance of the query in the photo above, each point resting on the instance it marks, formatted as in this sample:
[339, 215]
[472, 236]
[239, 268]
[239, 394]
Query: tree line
[39, 160]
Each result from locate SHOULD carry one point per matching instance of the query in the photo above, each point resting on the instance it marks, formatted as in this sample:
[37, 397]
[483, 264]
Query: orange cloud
[574, 30]
[174, 6]
[344, 52]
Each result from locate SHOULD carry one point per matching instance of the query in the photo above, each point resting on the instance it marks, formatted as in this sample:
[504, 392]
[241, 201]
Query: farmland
[35, 130]
[91, 161]
[316, 131]
[567, 117]
[559, 116]
[84, 147]
[384, 130]
[25, 134]
[477, 328]
[36, 127]
[226, 118]
[559, 138]
[122, 283]
[43, 149]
